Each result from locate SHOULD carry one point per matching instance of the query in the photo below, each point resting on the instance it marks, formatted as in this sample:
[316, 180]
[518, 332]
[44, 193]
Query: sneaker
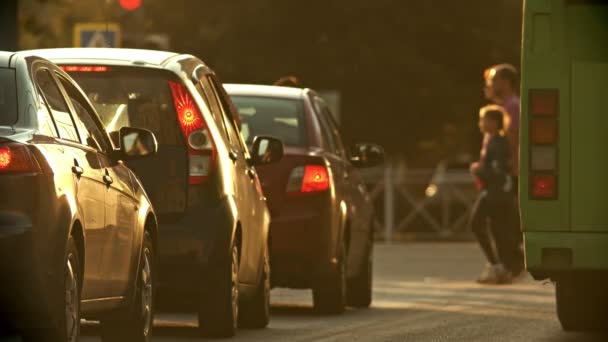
[494, 274]
[504, 276]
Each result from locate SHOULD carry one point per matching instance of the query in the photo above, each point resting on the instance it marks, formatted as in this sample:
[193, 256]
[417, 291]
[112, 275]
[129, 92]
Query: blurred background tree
[409, 72]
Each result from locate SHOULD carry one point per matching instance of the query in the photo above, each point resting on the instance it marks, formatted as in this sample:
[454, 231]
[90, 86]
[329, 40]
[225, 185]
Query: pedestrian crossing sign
[97, 35]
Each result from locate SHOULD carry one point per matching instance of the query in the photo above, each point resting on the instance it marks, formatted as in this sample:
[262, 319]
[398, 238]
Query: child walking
[494, 212]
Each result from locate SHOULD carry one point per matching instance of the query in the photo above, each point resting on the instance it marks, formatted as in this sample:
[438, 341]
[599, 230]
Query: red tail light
[544, 140]
[16, 158]
[85, 68]
[544, 186]
[201, 148]
[316, 178]
[308, 179]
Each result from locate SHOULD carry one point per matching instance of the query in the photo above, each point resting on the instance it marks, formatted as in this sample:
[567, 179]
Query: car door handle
[251, 173]
[233, 156]
[77, 170]
[107, 179]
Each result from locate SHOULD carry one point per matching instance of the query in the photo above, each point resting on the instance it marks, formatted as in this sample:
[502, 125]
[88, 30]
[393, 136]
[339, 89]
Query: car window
[326, 130]
[8, 97]
[46, 126]
[205, 89]
[90, 133]
[333, 127]
[229, 117]
[133, 96]
[278, 117]
[56, 103]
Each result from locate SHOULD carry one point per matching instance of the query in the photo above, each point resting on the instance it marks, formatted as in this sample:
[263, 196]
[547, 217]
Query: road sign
[97, 35]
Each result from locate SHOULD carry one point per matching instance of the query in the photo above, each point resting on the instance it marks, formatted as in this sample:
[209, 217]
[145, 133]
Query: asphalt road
[422, 292]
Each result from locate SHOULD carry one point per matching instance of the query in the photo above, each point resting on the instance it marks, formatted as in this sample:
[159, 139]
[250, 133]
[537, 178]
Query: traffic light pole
[8, 25]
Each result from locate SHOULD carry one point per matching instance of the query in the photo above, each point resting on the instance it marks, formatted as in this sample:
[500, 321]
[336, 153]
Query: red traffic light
[130, 5]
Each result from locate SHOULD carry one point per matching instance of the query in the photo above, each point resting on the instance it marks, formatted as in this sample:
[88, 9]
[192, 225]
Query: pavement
[422, 292]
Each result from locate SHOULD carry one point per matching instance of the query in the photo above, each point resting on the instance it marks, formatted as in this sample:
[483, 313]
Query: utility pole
[8, 25]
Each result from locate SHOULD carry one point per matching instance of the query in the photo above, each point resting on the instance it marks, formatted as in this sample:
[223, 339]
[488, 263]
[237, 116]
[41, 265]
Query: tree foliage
[409, 72]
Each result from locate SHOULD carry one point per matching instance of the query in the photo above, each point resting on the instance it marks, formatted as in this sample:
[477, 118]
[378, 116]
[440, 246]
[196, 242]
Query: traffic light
[130, 5]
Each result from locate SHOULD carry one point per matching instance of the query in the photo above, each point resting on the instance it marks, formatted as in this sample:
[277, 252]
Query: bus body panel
[589, 209]
[564, 49]
[544, 64]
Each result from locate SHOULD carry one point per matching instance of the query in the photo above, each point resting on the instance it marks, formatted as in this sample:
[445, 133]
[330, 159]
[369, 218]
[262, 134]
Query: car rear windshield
[132, 96]
[8, 97]
[277, 117]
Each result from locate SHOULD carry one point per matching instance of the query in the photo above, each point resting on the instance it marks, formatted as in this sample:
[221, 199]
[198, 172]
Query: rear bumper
[32, 245]
[29, 283]
[549, 254]
[193, 248]
[304, 240]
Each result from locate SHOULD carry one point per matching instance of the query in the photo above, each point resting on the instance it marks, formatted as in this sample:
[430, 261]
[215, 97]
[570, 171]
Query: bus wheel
[582, 304]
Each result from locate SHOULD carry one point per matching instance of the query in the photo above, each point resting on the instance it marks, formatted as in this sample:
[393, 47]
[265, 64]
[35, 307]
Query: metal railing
[421, 203]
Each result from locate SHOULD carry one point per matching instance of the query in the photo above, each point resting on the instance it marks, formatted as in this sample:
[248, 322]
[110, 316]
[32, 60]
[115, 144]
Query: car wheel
[72, 288]
[330, 296]
[582, 304]
[135, 323]
[64, 323]
[360, 288]
[255, 312]
[219, 312]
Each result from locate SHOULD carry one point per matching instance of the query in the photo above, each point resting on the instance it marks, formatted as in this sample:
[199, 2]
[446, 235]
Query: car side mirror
[137, 143]
[367, 155]
[266, 150]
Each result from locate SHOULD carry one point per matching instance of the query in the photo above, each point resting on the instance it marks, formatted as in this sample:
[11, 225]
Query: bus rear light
[201, 148]
[543, 158]
[543, 102]
[544, 186]
[543, 131]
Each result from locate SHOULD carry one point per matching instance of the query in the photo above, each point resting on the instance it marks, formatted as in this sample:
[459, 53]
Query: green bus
[564, 154]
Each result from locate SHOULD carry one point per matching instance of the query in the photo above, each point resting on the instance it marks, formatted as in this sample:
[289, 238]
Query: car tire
[254, 313]
[134, 323]
[582, 304]
[330, 296]
[219, 308]
[64, 322]
[359, 291]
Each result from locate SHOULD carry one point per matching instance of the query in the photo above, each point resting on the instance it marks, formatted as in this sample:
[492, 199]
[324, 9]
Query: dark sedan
[77, 231]
[321, 226]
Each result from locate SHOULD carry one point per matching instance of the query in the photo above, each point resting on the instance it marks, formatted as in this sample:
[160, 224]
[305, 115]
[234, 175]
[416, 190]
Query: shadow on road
[293, 310]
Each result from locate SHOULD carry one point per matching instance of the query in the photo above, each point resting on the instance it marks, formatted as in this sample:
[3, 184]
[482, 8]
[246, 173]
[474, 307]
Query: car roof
[106, 56]
[265, 91]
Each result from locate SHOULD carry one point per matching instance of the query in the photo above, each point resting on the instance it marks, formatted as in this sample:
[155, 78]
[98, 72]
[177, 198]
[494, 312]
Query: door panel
[121, 222]
[589, 140]
[90, 195]
[248, 201]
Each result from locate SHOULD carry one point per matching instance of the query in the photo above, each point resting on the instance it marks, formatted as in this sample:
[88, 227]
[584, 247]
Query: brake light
[308, 179]
[544, 186]
[202, 153]
[85, 68]
[16, 158]
[544, 140]
[315, 178]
